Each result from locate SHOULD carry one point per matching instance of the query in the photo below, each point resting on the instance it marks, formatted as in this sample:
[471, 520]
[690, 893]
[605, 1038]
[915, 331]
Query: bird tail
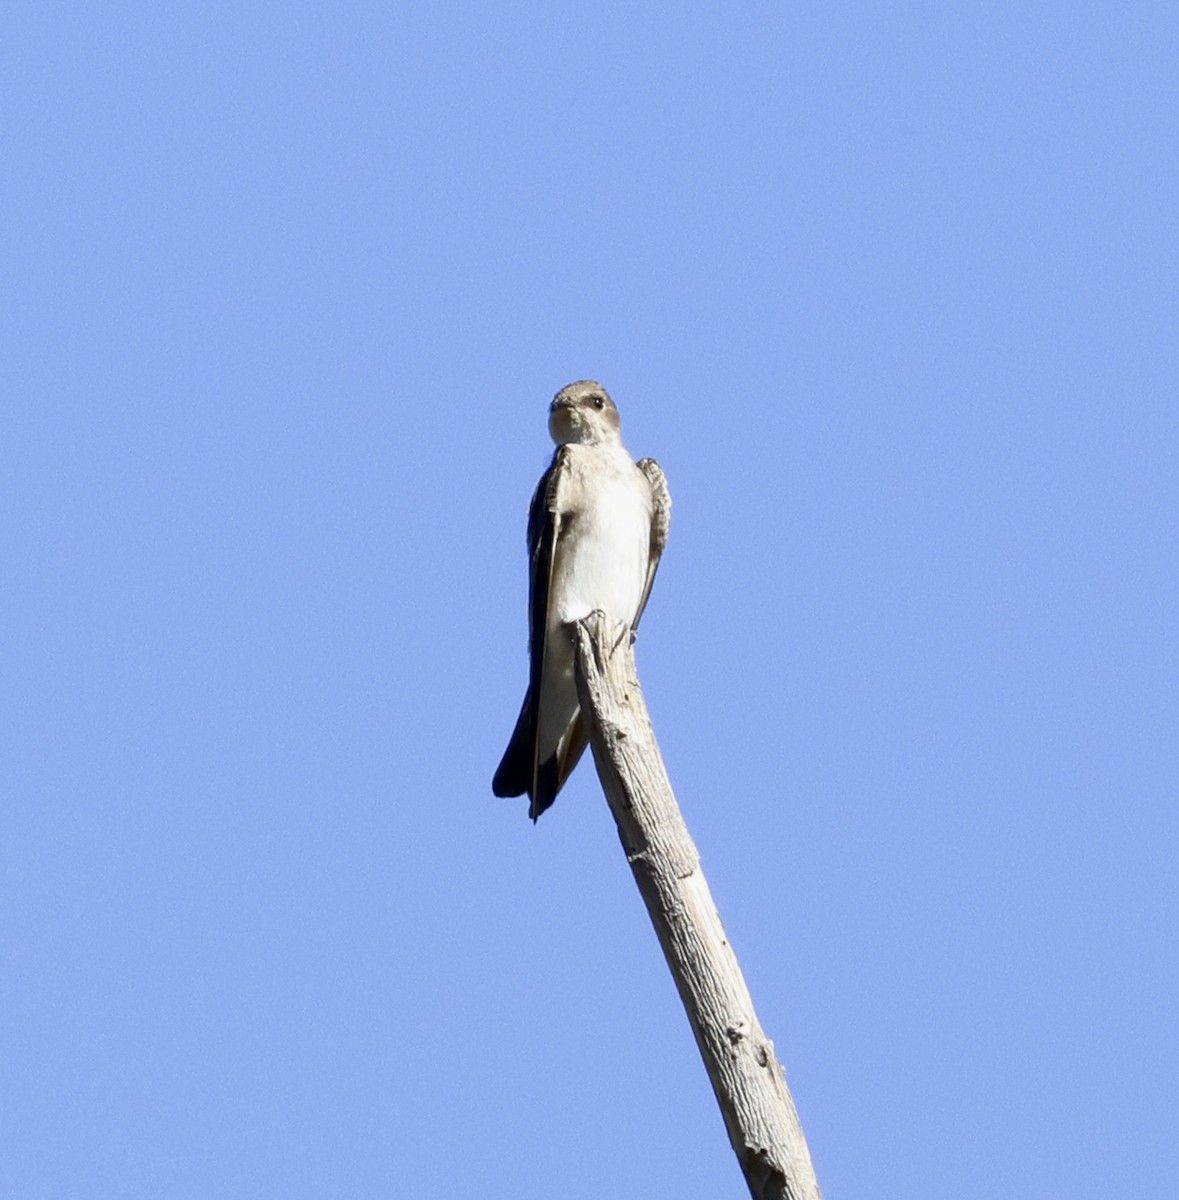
[552, 773]
[514, 775]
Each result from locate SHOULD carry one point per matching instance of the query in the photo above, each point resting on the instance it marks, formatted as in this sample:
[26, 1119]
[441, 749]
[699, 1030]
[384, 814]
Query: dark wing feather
[543, 528]
[512, 775]
[517, 772]
[660, 525]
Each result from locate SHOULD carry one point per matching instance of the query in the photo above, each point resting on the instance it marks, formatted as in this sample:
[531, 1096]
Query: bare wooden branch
[746, 1076]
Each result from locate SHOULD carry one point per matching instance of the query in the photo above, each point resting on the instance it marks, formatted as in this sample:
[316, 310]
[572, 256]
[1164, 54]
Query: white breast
[606, 538]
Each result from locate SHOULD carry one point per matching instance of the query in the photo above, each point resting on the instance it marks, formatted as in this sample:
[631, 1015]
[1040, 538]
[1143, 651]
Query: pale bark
[746, 1076]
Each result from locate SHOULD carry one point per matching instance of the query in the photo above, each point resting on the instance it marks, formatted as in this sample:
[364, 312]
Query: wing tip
[511, 777]
[548, 784]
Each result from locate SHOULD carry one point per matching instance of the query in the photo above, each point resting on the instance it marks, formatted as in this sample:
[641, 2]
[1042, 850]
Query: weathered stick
[746, 1076]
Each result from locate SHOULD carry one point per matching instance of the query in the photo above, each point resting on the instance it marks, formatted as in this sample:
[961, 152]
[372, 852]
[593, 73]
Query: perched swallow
[596, 530]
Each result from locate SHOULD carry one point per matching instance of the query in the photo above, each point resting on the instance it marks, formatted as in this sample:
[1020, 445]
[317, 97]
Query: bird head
[583, 413]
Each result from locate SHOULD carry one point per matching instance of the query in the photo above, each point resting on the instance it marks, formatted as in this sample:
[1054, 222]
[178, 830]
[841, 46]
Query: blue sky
[889, 291]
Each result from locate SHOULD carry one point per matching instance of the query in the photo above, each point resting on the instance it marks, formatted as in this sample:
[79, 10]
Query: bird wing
[544, 527]
[660, 525]
[517, 771]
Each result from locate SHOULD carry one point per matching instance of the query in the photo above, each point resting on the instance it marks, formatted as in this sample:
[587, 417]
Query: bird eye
[598, 401]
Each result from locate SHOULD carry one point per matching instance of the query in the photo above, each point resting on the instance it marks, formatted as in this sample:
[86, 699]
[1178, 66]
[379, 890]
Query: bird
[597, 527]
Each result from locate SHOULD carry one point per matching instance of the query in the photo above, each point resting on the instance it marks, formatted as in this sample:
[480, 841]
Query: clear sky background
[891, 293]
